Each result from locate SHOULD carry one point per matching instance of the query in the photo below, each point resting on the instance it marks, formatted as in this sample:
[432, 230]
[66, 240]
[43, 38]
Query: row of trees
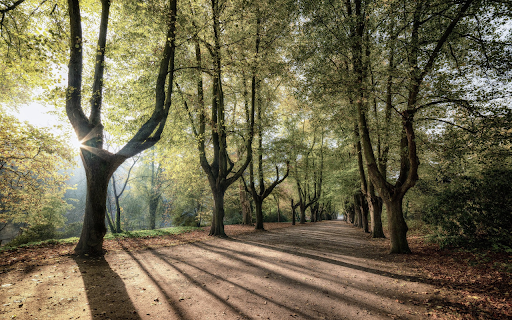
[344, 96]
[397, 67]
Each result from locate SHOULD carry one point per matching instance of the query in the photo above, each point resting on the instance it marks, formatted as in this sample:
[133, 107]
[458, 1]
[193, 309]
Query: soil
[324, 270]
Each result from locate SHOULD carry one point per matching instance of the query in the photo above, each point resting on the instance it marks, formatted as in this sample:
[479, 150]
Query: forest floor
[325, 270]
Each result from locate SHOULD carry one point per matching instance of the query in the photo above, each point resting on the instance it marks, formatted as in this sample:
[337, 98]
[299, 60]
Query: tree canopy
[381, 108]
[32, 170]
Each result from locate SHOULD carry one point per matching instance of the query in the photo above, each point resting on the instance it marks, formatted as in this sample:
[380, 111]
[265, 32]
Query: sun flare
[75, 143]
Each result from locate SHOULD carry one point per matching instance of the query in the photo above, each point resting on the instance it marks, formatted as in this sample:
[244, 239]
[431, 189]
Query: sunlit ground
[325, 271]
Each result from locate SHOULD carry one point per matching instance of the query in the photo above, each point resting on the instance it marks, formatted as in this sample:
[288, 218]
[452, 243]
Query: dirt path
[327, 270]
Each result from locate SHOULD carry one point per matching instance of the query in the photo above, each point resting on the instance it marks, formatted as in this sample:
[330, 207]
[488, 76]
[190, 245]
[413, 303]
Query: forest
[383, 113]
[392, 116]
[324, 109]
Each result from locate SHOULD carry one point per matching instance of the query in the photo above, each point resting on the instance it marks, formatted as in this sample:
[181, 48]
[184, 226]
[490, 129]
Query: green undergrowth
[150, 233]
[40, 243]
[108, 236]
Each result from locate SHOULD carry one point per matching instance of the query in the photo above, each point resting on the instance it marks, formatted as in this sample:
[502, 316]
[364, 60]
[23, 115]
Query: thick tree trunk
[350, 213]
[375, 206]
[258, 203]
[397, 225]
[302, 213]
[98, 172]
[217, 228]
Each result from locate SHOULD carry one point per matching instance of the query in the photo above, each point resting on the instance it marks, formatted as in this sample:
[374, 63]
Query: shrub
[234, 218]
[35, 234]
[272, 217]
[474, 210]
[71, 230]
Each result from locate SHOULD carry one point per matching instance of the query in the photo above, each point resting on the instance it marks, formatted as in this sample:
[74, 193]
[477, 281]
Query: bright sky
[37, 115]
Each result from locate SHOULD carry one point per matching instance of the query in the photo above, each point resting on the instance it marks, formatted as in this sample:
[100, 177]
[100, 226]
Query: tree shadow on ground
[331, 261]
[256, 294]
[179, 311]
[303, 243]
[287, 281]
[105, 290]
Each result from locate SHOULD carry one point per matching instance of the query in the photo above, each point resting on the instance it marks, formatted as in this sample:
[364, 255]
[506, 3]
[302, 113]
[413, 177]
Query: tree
[221, 170]
[154, 191]
[117, 195]
[261, 193]
[30, 51]
[423, 30]
[100, 164]
[270, 23]
[245, 204]
[32, 172]
[393, 194]
[308, 169]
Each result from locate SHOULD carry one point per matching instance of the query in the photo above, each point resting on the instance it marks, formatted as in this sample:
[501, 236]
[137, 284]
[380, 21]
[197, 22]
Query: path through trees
[326, 270]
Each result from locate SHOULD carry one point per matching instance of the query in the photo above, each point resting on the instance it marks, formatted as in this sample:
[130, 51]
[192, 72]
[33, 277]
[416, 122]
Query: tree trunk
[98, 172]
[350, 213]
[109, 220]
[302, 213]
[258, 203]
[293, 213]
[153, 206]
[217, 228]
[375, 206]
[358, 217]
[246, 205]
[118, 215]
[397, 225]
[117, 228]
[364, 213]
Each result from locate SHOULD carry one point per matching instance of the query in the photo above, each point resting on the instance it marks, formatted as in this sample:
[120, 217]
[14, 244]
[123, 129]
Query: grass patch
[40, 243]
[109, 236]
[150, 233]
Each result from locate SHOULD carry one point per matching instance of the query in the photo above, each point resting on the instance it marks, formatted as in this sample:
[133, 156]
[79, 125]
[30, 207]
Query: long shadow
[328, 260]
[283, 278]
[189, 278]
[165, 259]
[337, 232]
[105, 290]
[335, 239]
[290, 264]
[294, 250]
[170, 300]
[241, 256]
